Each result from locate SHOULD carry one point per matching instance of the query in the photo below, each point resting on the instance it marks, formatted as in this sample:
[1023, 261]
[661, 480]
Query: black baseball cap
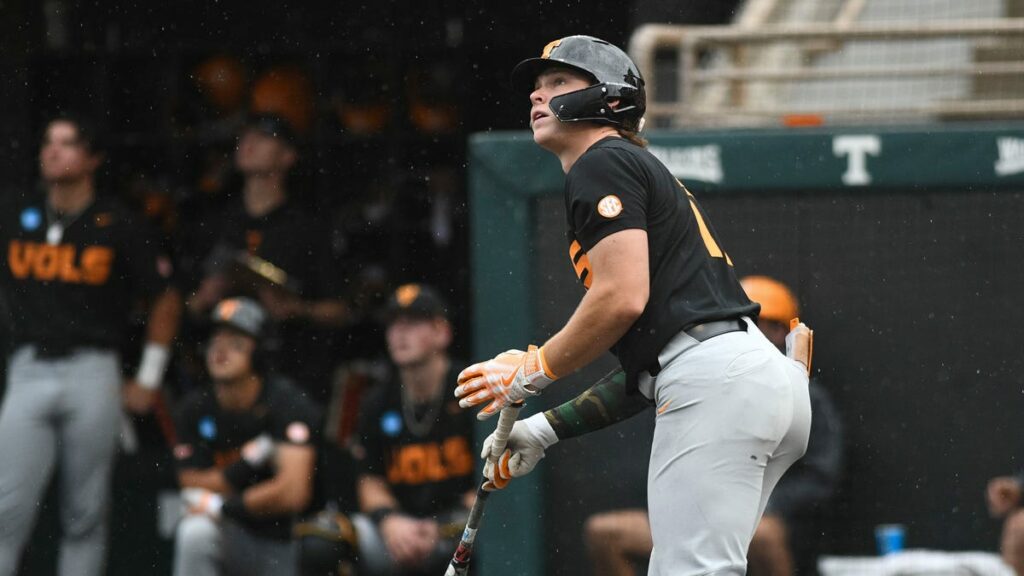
[272, 125]
[414, 301]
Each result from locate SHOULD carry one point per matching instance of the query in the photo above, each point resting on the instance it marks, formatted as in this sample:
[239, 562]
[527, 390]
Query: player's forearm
[374, 494]
[600, 406]
[164, 317]
[328, 312]
[601, 319]
[209, 479]
[279, 495]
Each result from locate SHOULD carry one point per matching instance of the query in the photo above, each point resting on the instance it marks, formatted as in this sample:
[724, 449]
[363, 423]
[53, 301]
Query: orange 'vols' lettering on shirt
[430, 462]
[60, 262]
[253, 240]
[581, 264]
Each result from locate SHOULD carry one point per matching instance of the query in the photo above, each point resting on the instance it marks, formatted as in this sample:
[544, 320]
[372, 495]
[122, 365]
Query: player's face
[413, 341]
[63, 157]
[260, 153]
[548, 131]
[229, 355]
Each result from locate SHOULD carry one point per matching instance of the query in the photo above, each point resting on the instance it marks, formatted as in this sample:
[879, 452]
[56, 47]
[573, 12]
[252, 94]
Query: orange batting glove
[510, 377]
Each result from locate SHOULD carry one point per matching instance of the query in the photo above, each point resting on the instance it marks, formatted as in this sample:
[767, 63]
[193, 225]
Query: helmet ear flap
[593, 104]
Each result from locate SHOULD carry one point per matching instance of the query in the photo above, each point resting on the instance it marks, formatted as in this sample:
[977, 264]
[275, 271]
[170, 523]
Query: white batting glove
[259, 451]
[510, 377]
[202, 501]
[526, 445]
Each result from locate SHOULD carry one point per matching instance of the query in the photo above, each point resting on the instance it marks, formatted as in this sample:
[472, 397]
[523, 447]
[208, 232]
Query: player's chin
[542, 134]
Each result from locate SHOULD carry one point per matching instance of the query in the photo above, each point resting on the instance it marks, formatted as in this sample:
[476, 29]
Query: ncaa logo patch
[208, 428]
[391, 423]
[31, 218]
[610, 206]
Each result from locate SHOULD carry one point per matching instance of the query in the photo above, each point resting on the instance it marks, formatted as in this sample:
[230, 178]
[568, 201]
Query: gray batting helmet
[241, 314]
[615, 77]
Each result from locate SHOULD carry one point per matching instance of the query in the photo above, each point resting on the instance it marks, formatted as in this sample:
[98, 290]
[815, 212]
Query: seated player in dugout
[786, 540]
[270, 249]
[73, 260]
[416, 482]
[245, 456]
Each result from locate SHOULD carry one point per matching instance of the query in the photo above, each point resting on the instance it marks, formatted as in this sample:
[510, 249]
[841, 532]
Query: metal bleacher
[799, 62]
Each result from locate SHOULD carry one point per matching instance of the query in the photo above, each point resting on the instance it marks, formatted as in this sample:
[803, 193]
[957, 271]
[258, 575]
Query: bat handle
[506, 419]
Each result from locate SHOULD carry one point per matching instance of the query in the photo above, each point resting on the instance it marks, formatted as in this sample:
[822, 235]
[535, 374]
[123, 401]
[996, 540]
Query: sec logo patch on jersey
[610, 206]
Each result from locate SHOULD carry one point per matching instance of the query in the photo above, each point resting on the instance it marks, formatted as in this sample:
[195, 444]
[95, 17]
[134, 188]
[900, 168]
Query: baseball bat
[459, 566]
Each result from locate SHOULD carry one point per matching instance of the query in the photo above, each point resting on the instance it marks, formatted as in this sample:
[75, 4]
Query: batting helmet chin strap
[593, 104]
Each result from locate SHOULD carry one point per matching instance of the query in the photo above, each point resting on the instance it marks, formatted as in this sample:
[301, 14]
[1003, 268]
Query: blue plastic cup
[889, 538]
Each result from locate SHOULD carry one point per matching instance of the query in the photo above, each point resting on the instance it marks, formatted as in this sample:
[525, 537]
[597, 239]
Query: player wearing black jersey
[416, 479]
[245, 456]
[270, 249]
[71, 264]
[732, 412]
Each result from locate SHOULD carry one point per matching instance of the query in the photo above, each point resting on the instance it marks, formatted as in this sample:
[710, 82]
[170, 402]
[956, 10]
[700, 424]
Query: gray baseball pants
[207, 547]
[69, 409]
[733, 414]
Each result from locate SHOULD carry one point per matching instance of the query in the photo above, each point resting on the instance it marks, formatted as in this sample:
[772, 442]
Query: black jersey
[212, 437]
[290, 239]
[296, 242]
[616, 185]
[76, 289]
[422, 451]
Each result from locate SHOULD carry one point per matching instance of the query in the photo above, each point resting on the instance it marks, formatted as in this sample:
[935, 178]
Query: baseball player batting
[732, 411]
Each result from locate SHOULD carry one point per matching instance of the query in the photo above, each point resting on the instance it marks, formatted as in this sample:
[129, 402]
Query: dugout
[904, 245]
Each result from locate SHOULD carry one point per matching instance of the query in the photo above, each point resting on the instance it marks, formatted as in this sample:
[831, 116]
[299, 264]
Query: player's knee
[196, 533]
[601, 530]
[771, 533]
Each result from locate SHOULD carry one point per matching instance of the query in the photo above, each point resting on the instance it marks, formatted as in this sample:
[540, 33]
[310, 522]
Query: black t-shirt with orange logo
[616, 185]
[423, 451]
[209, 436]
[76, 289]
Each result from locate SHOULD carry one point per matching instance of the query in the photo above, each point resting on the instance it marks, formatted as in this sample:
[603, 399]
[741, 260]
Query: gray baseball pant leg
[374, 558]
[87, 445]
[733, 414]
[198, 546]
[246, 554]
[28, 441]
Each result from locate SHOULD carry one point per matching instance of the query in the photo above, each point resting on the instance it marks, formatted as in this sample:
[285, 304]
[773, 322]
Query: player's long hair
[633, 137]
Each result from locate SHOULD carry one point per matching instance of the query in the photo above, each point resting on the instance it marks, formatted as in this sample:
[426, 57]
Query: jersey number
[709, 240]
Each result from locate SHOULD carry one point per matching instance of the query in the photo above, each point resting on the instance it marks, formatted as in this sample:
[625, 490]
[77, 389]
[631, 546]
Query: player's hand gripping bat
[459, 566]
